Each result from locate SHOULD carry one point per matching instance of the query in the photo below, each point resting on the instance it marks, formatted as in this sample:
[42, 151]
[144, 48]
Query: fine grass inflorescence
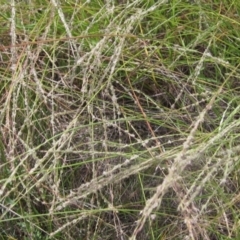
[119, 119]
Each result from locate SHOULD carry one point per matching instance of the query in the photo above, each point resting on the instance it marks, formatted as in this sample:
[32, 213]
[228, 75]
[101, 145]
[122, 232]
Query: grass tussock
[119, 119]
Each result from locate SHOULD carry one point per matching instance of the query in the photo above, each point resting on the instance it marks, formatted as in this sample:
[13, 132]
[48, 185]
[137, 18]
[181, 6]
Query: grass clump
[119, 120]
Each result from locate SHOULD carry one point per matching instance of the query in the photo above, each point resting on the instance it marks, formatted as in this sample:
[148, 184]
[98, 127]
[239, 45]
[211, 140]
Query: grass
[119, 120]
